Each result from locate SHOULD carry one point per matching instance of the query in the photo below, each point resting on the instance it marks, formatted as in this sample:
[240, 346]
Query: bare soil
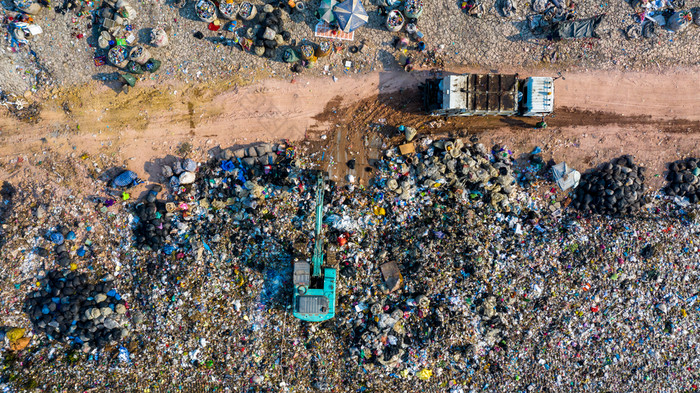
[598, 116]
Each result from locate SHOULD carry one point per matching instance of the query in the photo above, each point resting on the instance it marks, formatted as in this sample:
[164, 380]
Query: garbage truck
[488, 94]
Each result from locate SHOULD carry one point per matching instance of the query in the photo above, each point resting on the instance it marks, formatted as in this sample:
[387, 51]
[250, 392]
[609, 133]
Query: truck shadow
[519, 122]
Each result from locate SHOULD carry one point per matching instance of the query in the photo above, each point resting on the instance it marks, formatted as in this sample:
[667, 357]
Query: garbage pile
[67, 306]
[381, 337]
[552, 303]
[117, 38]
[654, 15]
[404, 16]
[267, 34]
[263, 154]
[153, 228]
[547, 13]
[617, 187]
[59, 237]
[683, 179]
[467, 170]
[535, 168]
[181, 174]
[7, 192]
[224, 187]
[116, 21]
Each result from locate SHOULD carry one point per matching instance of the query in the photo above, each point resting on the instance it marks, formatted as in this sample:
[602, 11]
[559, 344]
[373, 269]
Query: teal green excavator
[314, 294]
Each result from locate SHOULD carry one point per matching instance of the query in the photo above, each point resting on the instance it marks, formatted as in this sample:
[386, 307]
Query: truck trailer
[488, 94]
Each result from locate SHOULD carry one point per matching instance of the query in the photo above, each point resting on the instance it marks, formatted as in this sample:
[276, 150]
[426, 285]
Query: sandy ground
[670, 95]
[599, 115]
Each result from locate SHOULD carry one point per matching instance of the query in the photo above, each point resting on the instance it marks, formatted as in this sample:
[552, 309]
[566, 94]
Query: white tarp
[565, 176]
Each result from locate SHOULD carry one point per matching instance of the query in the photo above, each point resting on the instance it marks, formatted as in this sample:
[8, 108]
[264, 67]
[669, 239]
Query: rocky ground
[452, 37]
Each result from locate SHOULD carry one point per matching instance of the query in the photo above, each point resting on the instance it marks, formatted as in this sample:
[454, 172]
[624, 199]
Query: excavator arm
[317, 259]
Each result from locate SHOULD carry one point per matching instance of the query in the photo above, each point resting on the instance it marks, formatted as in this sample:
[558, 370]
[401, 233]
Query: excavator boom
[317, 259]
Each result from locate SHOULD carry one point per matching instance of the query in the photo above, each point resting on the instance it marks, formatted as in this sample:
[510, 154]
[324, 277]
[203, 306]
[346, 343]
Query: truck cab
[537, 96]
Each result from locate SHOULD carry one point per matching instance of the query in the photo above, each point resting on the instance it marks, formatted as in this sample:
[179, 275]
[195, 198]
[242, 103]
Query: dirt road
[673, 95]
[651, 115]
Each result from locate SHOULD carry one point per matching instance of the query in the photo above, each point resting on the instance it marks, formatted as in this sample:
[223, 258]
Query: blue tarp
[350, 15]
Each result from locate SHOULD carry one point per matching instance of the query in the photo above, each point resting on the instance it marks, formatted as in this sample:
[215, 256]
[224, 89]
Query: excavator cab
[314, 297]
[314, 291]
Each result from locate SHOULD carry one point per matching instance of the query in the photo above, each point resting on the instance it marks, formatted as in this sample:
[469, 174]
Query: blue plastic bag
[168, 249]
[124, 179]
[227, 166]
[124, 355]
[56, 238]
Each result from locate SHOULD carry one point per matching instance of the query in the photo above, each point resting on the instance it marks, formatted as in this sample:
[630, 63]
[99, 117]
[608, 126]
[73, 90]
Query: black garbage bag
[573, 29]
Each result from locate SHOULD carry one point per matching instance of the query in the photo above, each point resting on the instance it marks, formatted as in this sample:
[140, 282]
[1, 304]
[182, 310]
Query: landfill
[462, 266]
[453, 276]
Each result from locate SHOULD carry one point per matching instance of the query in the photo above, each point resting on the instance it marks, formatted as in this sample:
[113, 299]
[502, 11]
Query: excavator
[314, 292]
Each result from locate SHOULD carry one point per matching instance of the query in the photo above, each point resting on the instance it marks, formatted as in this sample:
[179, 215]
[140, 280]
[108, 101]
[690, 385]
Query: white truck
[488, 94]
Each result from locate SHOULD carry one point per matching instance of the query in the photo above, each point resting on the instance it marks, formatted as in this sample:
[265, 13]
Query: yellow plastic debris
[379, 211]
[425, 374]
[15, 334]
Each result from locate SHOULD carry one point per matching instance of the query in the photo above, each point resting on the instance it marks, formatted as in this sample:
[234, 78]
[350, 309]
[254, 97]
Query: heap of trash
[470, 171]
[67, 306]
[616, 187]
[451, 274]
[683, 179]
